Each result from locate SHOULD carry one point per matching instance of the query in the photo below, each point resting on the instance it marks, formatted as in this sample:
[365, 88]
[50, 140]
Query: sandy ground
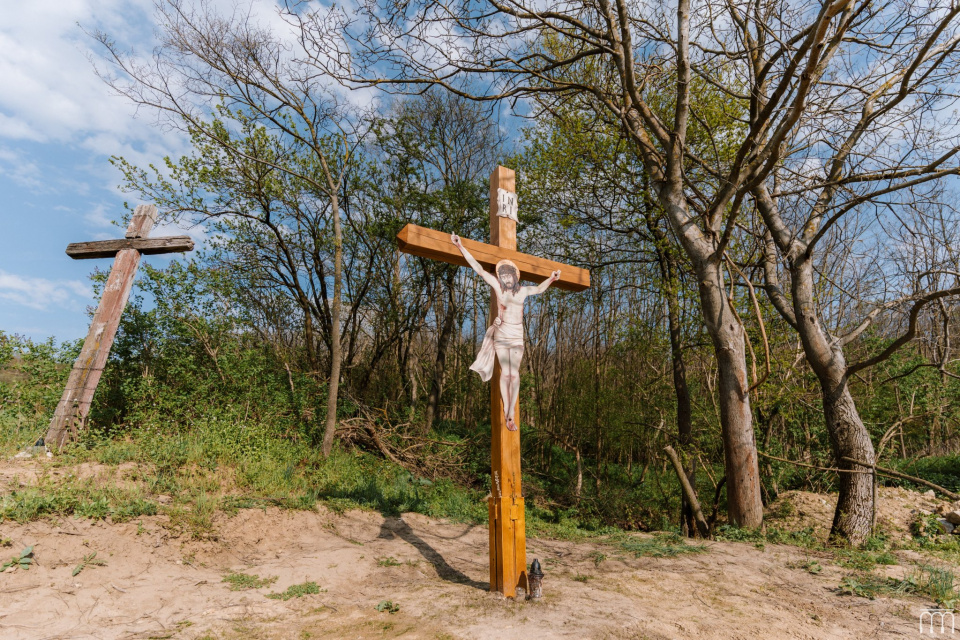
[158, 586]
[896, 509]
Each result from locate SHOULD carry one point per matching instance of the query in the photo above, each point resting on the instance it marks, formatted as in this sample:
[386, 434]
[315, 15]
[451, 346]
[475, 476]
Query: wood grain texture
[509, 571]
[146, 246]
[74, 405]
[429, 243]
[508, 545]
[144, 217]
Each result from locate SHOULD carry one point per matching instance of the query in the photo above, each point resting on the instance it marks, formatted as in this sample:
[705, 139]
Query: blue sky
[59, 125]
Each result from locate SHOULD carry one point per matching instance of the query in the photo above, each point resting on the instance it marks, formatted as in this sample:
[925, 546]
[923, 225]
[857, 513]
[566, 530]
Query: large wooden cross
[508, 548]
[74, 405]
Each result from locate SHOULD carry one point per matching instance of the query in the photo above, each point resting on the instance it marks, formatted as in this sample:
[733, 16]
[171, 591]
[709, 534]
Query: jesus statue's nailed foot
[511, 425]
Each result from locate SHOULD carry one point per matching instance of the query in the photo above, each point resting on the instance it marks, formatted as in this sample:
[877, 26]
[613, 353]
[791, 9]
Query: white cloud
[42, 294]
[48, 90]
[20, 170]
[99, 218]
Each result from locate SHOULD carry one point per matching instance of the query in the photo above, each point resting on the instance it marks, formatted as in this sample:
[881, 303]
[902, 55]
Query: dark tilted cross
[71, 413]
[508, 543]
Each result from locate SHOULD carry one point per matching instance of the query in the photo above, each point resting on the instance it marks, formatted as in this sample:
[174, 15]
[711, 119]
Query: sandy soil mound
[896, 509]
[158, 586]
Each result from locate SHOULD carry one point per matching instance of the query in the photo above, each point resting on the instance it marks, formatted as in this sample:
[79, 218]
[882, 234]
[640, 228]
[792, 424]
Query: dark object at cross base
[535, 578]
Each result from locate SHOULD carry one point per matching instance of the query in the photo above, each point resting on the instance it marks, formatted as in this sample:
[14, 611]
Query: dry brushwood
[372, 430]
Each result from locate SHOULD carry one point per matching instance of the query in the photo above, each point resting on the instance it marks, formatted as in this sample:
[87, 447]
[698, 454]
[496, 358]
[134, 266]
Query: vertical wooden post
[508, 548]
[74, 405]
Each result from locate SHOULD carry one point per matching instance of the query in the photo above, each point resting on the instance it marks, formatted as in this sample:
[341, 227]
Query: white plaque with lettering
[507, 204]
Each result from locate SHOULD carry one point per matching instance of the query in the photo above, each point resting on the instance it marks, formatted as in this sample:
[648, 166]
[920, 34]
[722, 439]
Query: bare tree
[867, 134]
[273, 132]
[440, 147]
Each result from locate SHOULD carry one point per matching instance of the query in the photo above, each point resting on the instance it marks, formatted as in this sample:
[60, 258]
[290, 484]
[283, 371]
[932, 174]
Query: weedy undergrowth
[296, 591]
[933, 582]
[663, 544]
[243, 581]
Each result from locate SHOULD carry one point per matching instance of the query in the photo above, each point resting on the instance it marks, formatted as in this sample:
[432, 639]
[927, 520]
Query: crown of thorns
[507, 263]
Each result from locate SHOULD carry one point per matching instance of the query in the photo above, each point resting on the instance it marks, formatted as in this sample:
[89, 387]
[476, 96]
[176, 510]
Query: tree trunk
[443, 345]
[668, 263]
[853, 518]
[848, 435]
[335, 348]
[578, 488]
[744, 504]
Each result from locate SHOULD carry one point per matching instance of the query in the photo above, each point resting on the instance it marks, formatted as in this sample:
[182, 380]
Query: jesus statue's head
[509, 276]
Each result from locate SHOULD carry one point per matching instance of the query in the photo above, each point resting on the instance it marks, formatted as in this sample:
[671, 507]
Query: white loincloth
[508, 335]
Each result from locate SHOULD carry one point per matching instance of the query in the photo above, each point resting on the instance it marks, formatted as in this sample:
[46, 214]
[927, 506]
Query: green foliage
[869, 586]
[243, 581]
[388, 606]
[23, 560]
[926, 528]
[933, 582]
[32, 376]
[79, 498]
[941, 470]
[388, 562]
[663, 544]
[864, 560]
[296, 591]
[89, 560]
[812, 567]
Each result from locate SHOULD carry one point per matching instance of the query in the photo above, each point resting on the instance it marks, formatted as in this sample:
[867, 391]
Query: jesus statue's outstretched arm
[487, 277]
[543, 286]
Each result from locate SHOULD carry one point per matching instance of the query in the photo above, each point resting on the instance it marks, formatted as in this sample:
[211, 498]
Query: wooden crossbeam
[429, 243]
[145, 246]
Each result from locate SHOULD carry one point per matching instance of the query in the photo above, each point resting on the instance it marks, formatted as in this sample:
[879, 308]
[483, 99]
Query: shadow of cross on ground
[396, 527]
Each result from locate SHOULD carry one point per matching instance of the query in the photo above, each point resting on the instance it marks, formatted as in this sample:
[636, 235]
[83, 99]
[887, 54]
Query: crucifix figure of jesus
[502, 267]
[504, 337]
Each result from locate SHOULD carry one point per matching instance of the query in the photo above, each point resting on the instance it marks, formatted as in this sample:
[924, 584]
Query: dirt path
[155, 586]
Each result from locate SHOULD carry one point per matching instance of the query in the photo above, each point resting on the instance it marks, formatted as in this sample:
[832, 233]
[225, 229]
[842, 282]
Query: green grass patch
[77, 498]
[388, 562]
[244, 581]
[864, 560]
[296, 591]
[663, 544]
[758, 537]
[933, 582]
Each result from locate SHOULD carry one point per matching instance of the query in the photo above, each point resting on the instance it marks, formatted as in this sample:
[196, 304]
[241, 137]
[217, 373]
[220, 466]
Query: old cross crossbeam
[71, 412]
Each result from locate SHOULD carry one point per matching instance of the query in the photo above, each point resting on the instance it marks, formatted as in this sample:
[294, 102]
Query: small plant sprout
[21, 561]
[388, 606]
[90, 560]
